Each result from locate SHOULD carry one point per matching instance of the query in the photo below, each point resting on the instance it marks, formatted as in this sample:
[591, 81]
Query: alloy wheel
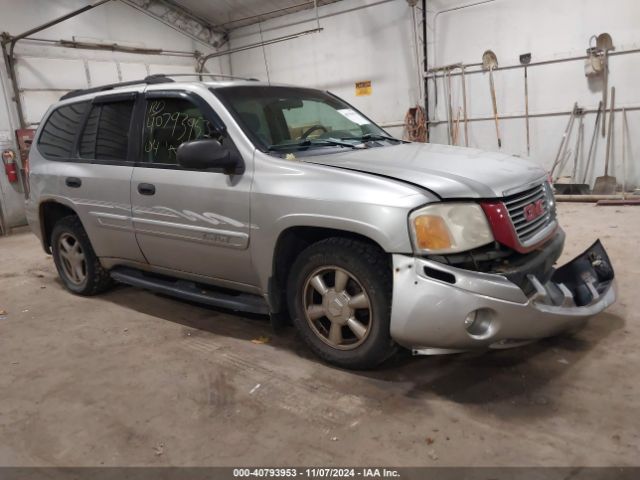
[337, 307]
[72, 258]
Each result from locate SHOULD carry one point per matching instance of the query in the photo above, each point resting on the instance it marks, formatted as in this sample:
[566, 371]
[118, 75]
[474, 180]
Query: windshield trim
[257, 143]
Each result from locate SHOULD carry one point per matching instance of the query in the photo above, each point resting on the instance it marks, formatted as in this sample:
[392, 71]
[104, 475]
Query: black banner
[404, 473]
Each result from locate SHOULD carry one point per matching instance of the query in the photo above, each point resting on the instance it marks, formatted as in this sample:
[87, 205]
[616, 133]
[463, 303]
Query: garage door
[43, 81]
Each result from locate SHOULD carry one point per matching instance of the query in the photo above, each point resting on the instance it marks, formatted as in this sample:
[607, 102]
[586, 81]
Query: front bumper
[438, 309]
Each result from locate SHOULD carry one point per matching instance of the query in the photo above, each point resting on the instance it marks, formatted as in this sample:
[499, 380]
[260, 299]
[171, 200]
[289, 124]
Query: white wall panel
[35, 104]
[102, 72]
[158, 68]
[38, 72]
[549, 30]
[376, 43]
[133, 71]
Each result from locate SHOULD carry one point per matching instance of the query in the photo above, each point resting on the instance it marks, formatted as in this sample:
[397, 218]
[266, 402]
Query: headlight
[449, 228]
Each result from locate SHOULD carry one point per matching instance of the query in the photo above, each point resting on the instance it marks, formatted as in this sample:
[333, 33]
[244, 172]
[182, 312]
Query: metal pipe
[11, 71]
[4, 230]
[431, 73]
[264, 54]
[416, 51]
[204, 59]
[9, 58]
[321, 17]
[55, 21]
[464, 102]
[425, 65]
[449, 107]
[399, 123]
[315, 4]
[590, 198]
[445, 68]
[7, 98]
[113, 47]
[262, 15]
[536, 115]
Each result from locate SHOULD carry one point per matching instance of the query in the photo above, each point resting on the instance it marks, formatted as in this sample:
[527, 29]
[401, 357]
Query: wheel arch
[288, 246]
[49, 212]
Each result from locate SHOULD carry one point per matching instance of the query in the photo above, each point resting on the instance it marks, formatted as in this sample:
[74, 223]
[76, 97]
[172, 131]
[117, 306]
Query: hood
[449, 172]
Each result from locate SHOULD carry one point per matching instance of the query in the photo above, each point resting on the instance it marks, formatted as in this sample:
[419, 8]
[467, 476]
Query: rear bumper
[437, 308]
[33, 219]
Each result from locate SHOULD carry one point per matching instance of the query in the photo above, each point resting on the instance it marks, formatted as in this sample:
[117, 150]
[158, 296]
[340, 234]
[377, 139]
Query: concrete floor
[131, 378]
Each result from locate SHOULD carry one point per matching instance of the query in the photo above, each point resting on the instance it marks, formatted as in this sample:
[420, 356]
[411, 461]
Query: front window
[170, 122]
[280, 119]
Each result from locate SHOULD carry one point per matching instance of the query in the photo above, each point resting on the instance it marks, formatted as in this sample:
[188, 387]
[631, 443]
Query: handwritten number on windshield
[176, 127]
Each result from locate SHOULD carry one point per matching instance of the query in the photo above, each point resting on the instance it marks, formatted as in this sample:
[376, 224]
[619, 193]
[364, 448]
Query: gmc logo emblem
[533, 210]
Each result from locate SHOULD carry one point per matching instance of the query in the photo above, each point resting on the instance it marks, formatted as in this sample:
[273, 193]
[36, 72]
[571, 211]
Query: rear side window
[106, 133]
[60, 130]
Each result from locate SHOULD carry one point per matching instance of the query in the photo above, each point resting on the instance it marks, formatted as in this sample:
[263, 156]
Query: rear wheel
[76, 262]
[340, 294]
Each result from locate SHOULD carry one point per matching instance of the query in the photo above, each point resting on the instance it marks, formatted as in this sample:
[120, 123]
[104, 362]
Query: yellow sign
[363, 88]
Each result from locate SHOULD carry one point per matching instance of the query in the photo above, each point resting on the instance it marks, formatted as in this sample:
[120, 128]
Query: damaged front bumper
[441, 309]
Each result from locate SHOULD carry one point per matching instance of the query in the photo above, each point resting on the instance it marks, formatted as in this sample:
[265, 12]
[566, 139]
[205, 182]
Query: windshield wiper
[310, 143]
[367, 137]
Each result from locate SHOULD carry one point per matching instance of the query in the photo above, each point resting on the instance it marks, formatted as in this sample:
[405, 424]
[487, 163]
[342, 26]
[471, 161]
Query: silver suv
[289, 202]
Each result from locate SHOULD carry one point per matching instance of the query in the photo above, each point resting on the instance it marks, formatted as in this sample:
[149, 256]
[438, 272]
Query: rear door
[195, 221]
[94, 178]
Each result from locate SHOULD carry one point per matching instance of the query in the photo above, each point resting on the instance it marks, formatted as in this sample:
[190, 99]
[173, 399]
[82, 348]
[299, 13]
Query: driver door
[193, 221]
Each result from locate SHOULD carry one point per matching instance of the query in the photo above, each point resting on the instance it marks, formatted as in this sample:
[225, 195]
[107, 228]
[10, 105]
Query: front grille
[515, 204]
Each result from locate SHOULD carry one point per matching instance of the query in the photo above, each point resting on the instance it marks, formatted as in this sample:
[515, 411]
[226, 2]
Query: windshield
[286, 118]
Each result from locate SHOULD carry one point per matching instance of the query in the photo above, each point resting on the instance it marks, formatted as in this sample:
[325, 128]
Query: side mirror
[205, 154]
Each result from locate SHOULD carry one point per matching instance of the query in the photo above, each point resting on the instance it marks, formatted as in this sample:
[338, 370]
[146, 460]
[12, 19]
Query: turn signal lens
[431, 233]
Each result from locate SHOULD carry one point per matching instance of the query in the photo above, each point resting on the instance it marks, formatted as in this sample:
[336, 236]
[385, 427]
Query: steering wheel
[312, 129]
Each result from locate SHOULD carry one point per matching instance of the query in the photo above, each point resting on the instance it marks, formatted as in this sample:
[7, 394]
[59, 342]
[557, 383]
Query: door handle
[146, 189]
[73, 182]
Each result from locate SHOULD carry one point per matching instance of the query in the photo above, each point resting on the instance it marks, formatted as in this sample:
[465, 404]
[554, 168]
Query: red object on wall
[10, 165]
[25, 139]
[25, 136]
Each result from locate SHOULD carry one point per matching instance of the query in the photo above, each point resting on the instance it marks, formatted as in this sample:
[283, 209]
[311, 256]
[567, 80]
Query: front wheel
[340, 295]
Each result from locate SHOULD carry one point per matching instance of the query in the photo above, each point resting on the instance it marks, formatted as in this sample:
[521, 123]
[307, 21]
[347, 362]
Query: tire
[347, 327]
[76, 262]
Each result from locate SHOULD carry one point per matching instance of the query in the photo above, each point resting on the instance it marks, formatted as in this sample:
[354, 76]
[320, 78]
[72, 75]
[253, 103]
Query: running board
[185, 290]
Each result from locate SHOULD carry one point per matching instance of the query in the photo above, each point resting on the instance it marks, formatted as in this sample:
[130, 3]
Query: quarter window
[106, 133]
[60, 130]
[170, 122]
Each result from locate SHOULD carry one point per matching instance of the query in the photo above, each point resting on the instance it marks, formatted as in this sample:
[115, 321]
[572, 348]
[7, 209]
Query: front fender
[289, 194]
[386, 226]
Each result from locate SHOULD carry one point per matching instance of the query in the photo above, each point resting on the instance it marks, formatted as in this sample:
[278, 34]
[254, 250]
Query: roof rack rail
[203, 74]
[150, 80]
